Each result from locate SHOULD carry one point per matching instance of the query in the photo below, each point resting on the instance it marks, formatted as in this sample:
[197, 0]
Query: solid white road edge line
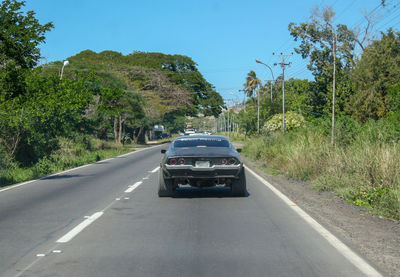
[71, 234]
[355, 259]
[18, 185]
[72, 169]
[132, 188]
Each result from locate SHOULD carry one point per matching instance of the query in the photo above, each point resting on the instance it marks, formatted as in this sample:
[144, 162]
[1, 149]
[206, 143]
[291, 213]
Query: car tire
[239, 185]
[164, 186]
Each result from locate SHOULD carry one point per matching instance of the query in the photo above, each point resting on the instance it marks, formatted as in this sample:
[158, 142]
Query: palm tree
[251, 85]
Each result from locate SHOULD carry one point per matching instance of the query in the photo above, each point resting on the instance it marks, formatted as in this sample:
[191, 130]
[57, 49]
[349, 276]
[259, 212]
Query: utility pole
[228, 122]
[283, 64]
[224, 123]
[258, 111]
[333, 88]
[233, 124]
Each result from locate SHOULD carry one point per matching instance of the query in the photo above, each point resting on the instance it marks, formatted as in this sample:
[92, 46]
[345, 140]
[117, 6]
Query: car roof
[204, 136]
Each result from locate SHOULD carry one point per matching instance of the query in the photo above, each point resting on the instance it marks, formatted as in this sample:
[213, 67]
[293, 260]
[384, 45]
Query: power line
[389, 19]
[344, 10]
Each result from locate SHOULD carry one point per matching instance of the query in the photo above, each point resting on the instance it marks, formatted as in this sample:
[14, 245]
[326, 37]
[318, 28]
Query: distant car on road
[201, 161]
[199, 133]
[189, 131]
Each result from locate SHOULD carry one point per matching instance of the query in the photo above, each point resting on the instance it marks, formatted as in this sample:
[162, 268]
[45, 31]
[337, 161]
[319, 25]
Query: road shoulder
[375, 238]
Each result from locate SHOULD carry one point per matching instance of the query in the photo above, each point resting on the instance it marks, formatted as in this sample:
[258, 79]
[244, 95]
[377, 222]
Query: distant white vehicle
[188, 132]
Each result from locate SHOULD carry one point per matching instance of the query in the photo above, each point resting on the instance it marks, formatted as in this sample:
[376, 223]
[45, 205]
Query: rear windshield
[201, 142]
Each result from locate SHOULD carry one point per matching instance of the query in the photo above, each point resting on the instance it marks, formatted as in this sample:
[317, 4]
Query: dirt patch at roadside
[376, 238]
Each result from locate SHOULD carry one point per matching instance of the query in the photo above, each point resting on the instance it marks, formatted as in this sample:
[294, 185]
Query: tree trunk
[120, 129]
[138, 136]
[116, 130]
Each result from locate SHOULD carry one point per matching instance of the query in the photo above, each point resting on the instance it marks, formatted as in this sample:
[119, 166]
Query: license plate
[202, 164]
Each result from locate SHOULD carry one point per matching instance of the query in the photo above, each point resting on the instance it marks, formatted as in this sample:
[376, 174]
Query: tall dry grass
[363, 166]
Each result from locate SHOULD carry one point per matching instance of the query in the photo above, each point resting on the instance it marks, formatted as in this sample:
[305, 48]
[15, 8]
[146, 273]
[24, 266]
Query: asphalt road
[107, 220]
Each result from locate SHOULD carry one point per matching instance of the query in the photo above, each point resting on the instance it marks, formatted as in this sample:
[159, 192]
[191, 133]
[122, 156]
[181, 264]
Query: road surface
[106, 219]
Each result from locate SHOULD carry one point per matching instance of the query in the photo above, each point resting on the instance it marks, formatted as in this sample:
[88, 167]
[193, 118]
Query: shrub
[292, 120]
[70, 153]
[363, 167]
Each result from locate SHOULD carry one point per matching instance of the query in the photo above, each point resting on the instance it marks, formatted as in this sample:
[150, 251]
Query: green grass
[364, 168]
[70, 155]
[233, 136]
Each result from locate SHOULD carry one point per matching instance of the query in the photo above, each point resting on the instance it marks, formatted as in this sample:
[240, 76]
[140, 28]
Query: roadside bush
[5, 160]
[44, 166]
[70, 153]
[363, 167]
[292, 120]
[346, 130]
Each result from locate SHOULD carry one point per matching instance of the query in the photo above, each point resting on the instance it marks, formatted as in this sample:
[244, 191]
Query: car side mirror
[239, 150]
[163, 151]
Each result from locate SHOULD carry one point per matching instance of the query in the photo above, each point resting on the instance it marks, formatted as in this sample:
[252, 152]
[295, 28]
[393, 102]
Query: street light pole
[62, 69]
[272, 73]
[258, 93]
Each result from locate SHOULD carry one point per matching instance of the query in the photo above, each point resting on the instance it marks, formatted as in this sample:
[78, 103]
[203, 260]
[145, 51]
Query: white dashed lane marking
[71, 234]
[133, 187]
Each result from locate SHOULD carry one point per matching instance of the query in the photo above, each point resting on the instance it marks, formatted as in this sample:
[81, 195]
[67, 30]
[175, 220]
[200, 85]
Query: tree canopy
[376, 77]
[167, 81]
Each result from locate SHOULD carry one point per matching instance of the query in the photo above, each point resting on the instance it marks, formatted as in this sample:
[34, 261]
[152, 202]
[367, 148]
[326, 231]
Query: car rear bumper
[192, 172]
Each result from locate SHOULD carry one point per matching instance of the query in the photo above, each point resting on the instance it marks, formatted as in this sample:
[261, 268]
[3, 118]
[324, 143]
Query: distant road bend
[106, 219]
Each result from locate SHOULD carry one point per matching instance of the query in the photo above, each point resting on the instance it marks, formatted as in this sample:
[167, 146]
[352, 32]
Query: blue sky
[223, 37]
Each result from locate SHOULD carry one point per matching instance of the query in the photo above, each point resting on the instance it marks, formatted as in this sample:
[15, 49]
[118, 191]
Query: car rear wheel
[239, 185]
[165, 188]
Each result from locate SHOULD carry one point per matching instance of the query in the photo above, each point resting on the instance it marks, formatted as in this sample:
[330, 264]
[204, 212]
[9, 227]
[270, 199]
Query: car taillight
[224, 161]
[181, 161]
[172, 161]
[232, 161]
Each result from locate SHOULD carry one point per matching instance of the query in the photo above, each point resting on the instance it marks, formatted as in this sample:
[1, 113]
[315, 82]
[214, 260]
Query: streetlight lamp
[62, 69]
[272, 73]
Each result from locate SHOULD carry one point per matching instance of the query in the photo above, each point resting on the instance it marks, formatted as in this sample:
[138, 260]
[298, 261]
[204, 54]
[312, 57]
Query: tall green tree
[375, 77]
[166, 81]
[316, 44]
[50, 108]
[20, 35]
[297, 94]
[135, 118]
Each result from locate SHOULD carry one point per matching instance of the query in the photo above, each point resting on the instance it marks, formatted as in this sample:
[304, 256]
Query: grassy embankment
[69, 155]
[363, 167]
